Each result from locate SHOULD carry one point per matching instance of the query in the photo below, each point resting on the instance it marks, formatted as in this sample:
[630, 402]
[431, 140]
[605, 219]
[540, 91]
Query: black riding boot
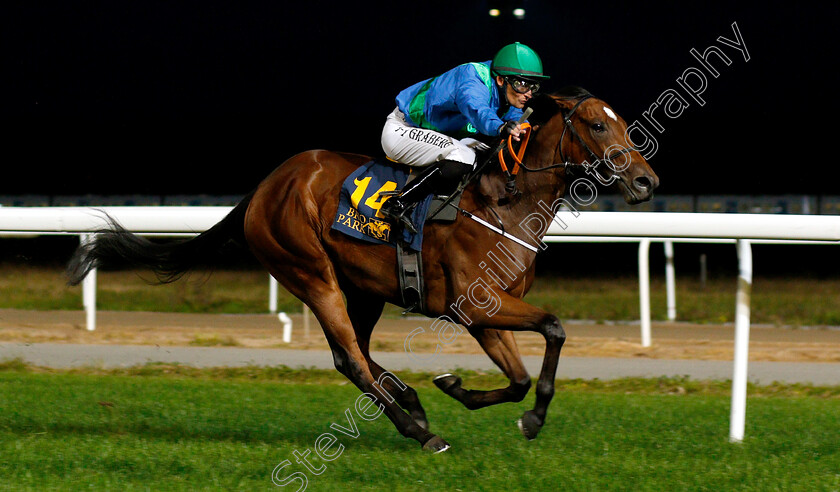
[436, 178]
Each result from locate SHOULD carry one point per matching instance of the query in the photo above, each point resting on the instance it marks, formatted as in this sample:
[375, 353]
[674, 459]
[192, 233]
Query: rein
[518, 157]
[478, 169]
[588, 168]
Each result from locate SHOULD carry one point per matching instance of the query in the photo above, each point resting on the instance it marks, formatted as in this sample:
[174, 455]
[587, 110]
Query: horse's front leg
[533, 420]
[501, 347]
[504, 312]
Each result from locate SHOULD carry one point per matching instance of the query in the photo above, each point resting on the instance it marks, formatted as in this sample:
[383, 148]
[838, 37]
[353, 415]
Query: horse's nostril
[642, 183]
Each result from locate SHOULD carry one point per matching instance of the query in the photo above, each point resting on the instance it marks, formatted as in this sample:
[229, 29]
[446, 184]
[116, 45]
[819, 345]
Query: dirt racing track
[604, 351]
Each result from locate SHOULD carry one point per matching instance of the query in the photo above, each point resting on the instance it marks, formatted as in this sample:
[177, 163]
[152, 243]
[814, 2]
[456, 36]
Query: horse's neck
[540, 191]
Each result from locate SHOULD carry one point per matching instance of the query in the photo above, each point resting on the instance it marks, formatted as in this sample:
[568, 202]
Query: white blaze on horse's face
[610, 113]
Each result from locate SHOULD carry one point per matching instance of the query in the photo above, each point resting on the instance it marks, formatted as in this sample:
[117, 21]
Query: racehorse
[286, 224]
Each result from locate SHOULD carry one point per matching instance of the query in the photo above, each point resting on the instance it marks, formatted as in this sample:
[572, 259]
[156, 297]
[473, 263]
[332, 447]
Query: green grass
[99, 430]
[798, 302]
[223, 291]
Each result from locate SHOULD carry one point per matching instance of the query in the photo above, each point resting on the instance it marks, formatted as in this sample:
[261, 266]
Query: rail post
[670, 281]
[272, 294]
[89, 289]
[742, 342]
[644, 290]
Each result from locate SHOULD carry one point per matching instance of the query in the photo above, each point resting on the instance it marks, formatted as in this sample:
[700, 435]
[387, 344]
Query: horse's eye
[598, 127]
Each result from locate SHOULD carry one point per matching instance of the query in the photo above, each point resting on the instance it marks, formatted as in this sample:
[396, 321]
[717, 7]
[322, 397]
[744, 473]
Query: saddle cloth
[359, 203]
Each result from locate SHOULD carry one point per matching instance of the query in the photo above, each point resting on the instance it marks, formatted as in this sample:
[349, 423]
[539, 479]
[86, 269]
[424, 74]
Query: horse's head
[584, 133]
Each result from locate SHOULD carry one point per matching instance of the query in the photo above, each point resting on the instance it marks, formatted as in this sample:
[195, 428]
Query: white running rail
[644, 227]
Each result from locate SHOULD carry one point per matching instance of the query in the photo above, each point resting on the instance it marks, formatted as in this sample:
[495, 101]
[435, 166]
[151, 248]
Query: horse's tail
[169, 261]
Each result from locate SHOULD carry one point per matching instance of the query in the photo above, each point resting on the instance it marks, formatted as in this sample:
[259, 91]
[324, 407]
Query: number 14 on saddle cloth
[361, 198]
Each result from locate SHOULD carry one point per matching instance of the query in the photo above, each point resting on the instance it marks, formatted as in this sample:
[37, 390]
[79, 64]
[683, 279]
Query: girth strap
[410, 269]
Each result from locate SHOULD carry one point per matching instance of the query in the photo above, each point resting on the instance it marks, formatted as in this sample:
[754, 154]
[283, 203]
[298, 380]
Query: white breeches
[420, 147]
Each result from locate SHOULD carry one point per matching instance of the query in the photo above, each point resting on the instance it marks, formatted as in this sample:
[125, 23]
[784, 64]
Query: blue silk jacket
[461, 102]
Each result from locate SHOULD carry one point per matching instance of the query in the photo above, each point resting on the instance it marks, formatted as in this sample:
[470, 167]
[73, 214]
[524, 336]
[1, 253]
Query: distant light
[519, 13]
[495, 12]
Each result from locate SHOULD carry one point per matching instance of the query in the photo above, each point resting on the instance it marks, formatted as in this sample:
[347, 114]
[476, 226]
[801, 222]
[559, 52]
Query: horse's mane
[545, 105]
[571, 92]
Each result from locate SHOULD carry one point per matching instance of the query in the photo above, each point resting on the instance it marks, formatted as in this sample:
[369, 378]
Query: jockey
[434, 122]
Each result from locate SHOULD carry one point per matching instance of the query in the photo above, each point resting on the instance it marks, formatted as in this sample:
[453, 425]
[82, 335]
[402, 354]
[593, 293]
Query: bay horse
[286, 224]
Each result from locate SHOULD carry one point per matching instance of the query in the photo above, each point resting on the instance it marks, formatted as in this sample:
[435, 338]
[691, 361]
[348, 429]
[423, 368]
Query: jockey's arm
[471, 99]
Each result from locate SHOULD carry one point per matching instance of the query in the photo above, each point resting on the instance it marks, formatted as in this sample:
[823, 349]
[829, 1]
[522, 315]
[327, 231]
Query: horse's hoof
[447, 382]
[529, 425]
[436, 445]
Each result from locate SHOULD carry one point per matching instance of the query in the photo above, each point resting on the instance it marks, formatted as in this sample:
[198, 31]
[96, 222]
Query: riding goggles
[523, 86]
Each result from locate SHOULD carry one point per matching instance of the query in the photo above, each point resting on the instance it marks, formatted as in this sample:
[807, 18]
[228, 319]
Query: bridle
[510, 186]
[586, 166]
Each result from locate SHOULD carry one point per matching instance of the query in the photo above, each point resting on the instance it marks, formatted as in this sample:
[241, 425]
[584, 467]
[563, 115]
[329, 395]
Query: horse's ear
[544, 106]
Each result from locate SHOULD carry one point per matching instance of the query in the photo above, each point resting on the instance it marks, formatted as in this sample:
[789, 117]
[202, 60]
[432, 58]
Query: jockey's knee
[459, 152]
[451, 173]
[453, 169]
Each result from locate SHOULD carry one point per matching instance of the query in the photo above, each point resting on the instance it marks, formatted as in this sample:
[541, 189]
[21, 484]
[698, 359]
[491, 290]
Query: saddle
[409, 262]
[361, 196]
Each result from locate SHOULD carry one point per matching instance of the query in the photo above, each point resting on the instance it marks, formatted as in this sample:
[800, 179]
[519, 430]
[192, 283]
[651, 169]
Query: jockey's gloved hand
[510, 128]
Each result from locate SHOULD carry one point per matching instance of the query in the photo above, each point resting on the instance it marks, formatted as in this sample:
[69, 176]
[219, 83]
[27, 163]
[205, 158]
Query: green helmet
[518, 60]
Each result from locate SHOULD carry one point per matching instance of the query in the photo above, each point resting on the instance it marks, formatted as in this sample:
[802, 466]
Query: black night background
[160, 97]
[207, 97]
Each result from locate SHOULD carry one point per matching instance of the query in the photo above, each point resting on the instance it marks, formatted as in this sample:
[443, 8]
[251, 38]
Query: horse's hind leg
[328, 306]
[364, 312]
[502, 349]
